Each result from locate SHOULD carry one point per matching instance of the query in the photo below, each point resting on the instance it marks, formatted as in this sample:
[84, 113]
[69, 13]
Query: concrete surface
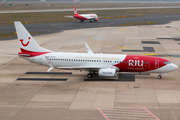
[147, 98]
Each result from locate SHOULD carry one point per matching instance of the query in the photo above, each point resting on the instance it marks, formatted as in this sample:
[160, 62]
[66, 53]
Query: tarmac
[27, 93]
[56, 27]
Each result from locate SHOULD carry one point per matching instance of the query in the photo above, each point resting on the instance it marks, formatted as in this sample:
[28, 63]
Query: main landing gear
[159, 76]
[82, 20]
[90, 75]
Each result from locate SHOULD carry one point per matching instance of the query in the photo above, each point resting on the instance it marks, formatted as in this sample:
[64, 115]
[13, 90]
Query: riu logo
[135, 63]
[26, 43]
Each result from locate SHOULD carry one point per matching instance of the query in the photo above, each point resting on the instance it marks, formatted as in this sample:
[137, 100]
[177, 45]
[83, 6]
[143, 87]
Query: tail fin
[26, 41]
[75, 11]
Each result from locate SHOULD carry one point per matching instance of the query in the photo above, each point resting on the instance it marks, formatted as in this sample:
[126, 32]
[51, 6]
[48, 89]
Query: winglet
[88, 49]
[50, 64]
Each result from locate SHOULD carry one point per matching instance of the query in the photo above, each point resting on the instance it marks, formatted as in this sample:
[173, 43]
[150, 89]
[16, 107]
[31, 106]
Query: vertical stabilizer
[26, 41]
[75, 11]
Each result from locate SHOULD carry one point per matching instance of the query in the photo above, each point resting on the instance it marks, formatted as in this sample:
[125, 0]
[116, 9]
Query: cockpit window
[167, 62]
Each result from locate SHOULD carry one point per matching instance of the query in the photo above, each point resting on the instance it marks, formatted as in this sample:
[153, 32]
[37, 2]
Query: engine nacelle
[96, 19]
[107, 73]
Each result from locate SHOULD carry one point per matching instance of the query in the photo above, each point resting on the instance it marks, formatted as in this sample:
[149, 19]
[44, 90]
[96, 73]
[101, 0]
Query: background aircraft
[107, 65]
[82, 17]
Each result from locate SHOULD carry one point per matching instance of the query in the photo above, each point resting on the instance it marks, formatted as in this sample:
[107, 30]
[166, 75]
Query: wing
[87, 68]
[88, 49]
[69, 16]
[101, 17]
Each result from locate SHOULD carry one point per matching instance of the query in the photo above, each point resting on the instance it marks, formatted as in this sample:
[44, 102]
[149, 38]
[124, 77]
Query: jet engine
[96, 19]
[107, 73]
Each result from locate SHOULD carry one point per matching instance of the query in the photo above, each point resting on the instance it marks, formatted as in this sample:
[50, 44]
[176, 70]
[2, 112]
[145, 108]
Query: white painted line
[151, 113]
[102, 113]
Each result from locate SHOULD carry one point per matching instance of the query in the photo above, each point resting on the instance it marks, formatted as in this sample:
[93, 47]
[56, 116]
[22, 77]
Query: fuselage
[122, 63]
[86, 17]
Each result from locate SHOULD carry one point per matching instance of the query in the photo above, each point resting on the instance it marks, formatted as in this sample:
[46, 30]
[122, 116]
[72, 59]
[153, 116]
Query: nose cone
[173, 67]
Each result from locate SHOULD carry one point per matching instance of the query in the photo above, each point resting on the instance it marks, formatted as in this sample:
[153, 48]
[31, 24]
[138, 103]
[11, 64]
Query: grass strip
[140, 23]
[7, 35]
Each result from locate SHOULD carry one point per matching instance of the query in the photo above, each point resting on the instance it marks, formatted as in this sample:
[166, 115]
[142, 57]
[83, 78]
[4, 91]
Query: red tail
[75, 11]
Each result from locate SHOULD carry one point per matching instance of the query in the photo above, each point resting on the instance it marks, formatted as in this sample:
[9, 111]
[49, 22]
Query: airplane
[106, 65]
[82, 17]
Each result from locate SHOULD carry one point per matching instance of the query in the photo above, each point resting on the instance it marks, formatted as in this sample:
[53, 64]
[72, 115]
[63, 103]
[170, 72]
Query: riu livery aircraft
[107, 65]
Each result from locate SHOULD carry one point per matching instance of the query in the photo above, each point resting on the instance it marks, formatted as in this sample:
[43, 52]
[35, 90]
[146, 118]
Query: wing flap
[85, 67]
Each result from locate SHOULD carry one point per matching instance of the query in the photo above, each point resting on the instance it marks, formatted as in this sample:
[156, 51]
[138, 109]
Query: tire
[159, 76]
[82, 20]
[90, 75]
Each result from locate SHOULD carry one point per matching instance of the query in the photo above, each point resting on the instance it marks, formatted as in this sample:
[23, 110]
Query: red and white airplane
[82, 17]
[107, 65]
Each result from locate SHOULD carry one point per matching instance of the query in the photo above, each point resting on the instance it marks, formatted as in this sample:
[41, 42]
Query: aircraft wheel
[82, 20]
[90, 21]
[90, 75]
[159, 76]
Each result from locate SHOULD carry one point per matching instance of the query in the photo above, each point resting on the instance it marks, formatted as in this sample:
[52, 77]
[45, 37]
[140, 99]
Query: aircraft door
[156, 63]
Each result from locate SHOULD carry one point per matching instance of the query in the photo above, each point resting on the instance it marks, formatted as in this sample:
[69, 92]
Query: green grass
[7, 35]
[45, 17]
[142, 11]
[140, 23]
[31, 16]
[69, 5]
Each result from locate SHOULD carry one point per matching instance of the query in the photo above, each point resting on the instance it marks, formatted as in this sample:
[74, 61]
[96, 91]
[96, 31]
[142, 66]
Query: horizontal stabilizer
[26, 55]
